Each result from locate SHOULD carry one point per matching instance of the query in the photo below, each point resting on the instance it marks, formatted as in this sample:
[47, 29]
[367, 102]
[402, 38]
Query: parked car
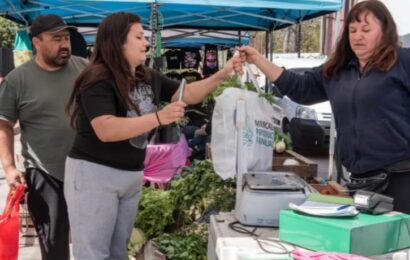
[309, 126]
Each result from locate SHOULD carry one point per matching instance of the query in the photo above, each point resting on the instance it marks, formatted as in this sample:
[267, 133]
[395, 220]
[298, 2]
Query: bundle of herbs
[235, 82]
[178, 217]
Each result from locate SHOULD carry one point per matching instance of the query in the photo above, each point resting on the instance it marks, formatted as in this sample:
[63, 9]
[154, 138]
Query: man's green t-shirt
[37, 99]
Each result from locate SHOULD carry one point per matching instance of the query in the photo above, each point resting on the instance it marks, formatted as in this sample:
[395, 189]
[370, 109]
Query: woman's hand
[229, 67]
[237, 65]
[172, 112]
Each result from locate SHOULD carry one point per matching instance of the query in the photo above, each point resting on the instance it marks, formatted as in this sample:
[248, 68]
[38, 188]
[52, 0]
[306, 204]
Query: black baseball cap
[48, 23]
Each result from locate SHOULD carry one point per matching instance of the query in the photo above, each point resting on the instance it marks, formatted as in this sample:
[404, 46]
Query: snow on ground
[291, 60]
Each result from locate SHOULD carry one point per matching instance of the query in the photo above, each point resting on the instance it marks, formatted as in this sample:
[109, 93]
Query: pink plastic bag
[162, 161]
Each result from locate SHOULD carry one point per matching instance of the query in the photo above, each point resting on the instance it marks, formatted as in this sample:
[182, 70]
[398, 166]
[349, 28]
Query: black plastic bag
[167, 134]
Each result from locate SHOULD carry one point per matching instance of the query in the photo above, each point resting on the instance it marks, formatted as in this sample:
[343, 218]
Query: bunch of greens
[198, 190]
[155, 211]
[184, 209]
[235, 82]
[190, 242]
[178, 246]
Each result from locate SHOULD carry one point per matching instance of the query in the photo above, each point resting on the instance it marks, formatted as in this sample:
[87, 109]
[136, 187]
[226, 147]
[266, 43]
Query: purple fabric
[164, 160]
[298, 254]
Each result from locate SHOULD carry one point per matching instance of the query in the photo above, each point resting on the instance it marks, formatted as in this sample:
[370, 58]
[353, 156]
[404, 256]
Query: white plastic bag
[258, 132]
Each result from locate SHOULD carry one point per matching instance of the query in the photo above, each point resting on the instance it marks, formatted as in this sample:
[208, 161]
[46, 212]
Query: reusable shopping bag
[9, 225]
[257, 138]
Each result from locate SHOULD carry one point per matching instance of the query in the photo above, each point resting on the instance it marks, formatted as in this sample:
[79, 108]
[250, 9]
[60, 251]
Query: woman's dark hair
[384, 56]
[108, 62]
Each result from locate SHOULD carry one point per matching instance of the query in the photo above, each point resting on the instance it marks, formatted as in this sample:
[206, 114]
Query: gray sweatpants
[102, 205]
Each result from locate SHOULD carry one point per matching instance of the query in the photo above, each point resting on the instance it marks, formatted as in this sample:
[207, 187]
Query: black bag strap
[156, 89]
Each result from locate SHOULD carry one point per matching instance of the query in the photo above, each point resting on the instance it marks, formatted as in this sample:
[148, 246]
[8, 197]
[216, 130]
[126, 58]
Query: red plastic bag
[9, 225]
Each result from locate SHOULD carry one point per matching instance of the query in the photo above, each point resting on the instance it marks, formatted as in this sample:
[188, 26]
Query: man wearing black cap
[35, 94]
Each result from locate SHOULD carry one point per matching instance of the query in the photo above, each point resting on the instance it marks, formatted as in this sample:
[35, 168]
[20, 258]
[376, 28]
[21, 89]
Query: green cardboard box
[364, 234]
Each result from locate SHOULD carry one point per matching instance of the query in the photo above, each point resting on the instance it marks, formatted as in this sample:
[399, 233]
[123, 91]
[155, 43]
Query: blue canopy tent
[248, 15]
[159, 15]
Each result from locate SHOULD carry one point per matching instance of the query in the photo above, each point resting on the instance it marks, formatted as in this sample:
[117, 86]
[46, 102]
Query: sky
[400, 12]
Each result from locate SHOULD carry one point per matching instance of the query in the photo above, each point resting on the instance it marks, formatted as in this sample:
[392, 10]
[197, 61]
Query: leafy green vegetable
[178, 246]
[280, 136]
[192, 196]
[235, 82]
[155, 211]
[199, 229]
[196, 192]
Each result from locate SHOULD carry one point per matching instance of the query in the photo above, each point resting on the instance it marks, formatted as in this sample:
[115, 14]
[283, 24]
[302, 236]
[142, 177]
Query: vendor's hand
[14, 177]
[248, 54]
[172, 112]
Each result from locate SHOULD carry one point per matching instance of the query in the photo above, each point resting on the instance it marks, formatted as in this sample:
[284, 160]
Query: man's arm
[13, 176]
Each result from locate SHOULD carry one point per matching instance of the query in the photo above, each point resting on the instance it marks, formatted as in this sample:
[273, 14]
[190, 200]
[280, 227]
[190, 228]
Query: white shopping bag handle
[251, 75]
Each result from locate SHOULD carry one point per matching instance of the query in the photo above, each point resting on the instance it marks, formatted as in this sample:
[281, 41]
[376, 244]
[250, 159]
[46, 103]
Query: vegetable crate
[305, 168]
[330, 188]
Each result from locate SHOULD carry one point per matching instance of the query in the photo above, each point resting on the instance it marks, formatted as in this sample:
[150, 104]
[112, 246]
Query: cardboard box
[306, 169]
[364, 234]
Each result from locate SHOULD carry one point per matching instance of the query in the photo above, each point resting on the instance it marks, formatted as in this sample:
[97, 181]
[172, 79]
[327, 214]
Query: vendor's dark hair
[385, 55]
[107, 62]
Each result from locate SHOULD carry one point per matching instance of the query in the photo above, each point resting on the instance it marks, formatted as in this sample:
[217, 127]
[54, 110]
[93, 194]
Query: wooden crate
[208, 155]
[306, 169]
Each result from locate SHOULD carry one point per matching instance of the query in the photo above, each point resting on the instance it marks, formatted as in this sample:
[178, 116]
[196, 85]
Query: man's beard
[58, 60]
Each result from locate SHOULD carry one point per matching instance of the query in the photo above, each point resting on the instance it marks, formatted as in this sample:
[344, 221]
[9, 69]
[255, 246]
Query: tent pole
[332, 134]
[268, 53]
[267, 44]
[155, 34]
[299, 38]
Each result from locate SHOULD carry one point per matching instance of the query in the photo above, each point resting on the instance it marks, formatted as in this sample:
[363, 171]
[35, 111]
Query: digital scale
[264, 194]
